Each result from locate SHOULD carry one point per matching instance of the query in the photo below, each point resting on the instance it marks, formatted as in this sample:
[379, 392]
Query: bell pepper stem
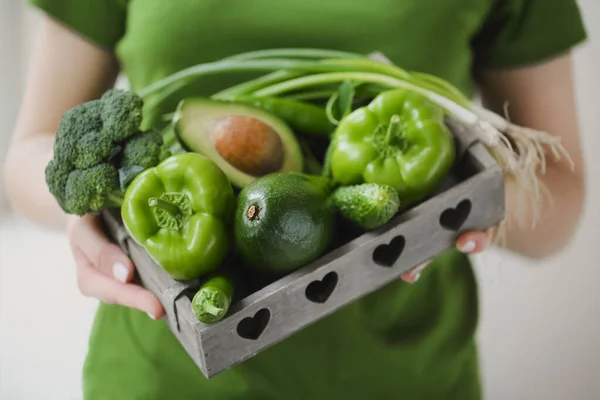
[165, 205]
[211, 309]
[393, 128]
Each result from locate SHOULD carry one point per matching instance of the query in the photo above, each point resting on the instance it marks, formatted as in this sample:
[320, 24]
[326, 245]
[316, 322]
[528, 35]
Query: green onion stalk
[314, 73]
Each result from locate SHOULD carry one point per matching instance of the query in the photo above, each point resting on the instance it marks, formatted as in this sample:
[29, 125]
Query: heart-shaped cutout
[454, 218]
[386, 255]
[319, 291]
[252, 327]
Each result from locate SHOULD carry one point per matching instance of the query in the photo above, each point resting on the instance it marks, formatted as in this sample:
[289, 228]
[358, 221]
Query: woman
[402, 342]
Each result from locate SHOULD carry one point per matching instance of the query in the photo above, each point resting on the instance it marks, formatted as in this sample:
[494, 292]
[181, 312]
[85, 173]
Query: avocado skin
[293, 226]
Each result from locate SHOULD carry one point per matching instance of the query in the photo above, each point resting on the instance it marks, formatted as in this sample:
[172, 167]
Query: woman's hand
[469, 243]
[104, 271]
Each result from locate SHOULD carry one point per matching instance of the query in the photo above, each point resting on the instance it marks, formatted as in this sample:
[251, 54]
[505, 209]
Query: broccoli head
[74, 124]
[93, 149]
[57, 174]
[143, 149]
[97, 143]
[121, 113]
[80, 119]
[93, 189]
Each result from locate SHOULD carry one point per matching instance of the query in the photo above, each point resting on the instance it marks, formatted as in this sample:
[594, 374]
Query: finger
[474, 242]
[103, 254]
[95, 284]
[414, 275]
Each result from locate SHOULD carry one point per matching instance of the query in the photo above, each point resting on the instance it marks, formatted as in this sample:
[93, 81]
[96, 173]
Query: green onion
[294, 52]
[206, 69]
[311, 95]
[458, 111]
[255, 84]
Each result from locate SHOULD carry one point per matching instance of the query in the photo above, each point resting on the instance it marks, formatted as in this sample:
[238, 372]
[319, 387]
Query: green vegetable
[312, 166]
[302, 117]
[170, 145]
[211, 302]
[121, 113]
[244, 141]
[98, 147]
[343, 99]
[368, 205]
[284, 221]
[179, 211]
[400, 139]
[142, 149]
[93, 189]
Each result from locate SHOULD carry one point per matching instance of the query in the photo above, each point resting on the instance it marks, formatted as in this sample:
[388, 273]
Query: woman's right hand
[104, 271]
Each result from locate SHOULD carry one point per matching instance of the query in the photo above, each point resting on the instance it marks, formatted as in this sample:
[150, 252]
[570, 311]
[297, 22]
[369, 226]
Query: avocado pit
[248, 144]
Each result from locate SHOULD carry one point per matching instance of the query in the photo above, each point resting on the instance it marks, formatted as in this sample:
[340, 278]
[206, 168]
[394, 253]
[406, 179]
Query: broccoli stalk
[99, 149]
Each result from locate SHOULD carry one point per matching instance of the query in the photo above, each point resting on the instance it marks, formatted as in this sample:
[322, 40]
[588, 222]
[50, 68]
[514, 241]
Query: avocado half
[244, 141]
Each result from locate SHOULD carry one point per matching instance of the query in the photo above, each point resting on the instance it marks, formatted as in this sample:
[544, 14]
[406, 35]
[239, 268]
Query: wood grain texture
[475, 189]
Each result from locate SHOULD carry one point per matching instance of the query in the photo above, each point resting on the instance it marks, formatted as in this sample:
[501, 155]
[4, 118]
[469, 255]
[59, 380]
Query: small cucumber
[368, 205]
[211, 303]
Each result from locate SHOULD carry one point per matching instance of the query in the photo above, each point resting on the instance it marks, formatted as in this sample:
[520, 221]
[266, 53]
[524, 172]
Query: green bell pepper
[180, 212]
[399, 139]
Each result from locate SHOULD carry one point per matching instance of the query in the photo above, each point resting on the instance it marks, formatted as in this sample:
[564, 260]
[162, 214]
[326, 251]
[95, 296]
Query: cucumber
[368, 205]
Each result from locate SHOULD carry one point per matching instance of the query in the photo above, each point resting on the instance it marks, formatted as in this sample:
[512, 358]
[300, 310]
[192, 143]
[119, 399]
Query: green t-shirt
[401, 342]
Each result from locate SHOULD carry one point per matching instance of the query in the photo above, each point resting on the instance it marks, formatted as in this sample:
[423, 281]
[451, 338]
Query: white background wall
[540, 328]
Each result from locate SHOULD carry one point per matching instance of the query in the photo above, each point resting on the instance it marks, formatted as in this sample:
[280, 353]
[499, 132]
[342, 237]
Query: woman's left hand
[468, 243]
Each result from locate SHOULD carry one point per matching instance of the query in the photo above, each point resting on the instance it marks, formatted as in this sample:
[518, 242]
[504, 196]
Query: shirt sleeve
[521, 32]
[100, 21]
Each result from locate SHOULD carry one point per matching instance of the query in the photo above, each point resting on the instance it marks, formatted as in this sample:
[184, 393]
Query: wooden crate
[472, 198]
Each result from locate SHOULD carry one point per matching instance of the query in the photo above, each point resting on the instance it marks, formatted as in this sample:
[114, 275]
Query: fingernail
[120, 272]
[468, 246]
[416, 276]
[151, 316]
